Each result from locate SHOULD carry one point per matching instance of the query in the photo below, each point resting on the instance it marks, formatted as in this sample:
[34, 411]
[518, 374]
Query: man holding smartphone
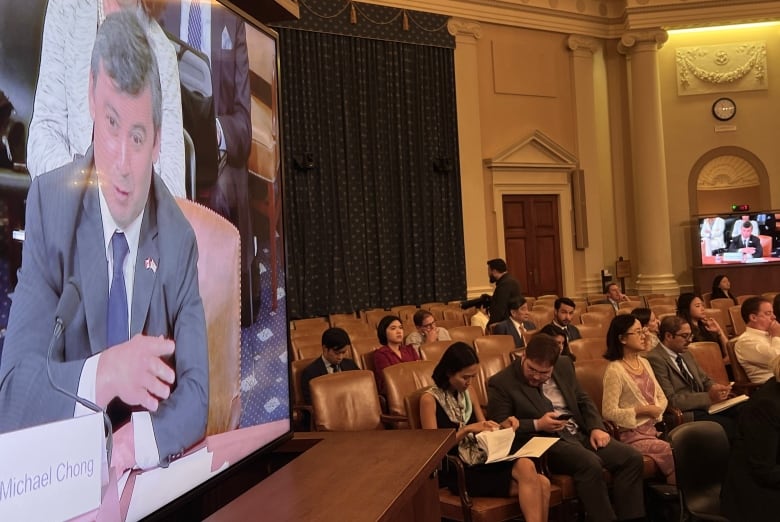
[541, 390]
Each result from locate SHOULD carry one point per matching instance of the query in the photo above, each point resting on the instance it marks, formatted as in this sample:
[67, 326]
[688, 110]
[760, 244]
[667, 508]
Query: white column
[472, 182]
[590, 137]
[651, 208]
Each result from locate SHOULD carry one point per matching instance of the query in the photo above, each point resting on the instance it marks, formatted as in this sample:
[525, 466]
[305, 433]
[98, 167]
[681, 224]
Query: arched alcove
[728, 175]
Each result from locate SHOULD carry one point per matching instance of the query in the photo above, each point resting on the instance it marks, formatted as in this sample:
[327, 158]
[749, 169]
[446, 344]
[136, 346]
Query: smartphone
[564, 416]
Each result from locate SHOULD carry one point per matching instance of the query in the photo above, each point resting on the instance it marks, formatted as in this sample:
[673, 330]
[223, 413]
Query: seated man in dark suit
[614, 296]
[518, 323]
[335, 346]
[746, 242]
[541, 390]
[684, 383]
[564, 312]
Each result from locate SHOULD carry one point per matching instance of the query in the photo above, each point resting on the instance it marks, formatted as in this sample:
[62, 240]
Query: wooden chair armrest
[612, 429]
[305, 408]
[673, 417]
[392, 421]
[465, 499]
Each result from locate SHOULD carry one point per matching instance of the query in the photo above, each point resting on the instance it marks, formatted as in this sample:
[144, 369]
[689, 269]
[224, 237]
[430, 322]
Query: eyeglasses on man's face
[687, 336]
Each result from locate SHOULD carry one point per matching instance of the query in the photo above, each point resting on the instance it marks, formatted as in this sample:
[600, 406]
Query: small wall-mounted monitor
[752, 237]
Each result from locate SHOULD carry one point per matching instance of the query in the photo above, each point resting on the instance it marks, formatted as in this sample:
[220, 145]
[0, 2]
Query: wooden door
[532, 243]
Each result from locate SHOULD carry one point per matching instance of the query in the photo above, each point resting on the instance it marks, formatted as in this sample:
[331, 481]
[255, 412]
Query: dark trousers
[726, 418]
[572, 457]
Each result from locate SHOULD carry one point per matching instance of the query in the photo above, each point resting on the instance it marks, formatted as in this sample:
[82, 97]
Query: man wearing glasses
[427, 331]
[684, 383]
[541, 390]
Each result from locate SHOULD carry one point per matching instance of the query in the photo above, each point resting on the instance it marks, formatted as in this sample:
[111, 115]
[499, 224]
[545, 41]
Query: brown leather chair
[465, 334]
[363, 350]
[586, 349]
[663, 309]
[433, 351]
[723, 304]
[301, 412]
[218, 281]
[742, 383]
[707, 298]
[403, 379]
[319, 324]
[735, 312]
[346, 401]
[375, 315]
[308, 330]
[668, 300]
[709, 358]
[720, 316]
[306, 346]
[742, 298]
[503, 343]
[457, 315]
[592, 331]
[335, 319]
[540, 315]
[491, 361]
[598, 317]
[605, 308]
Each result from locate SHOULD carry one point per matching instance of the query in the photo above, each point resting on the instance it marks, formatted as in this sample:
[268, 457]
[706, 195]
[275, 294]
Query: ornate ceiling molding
[598, 18]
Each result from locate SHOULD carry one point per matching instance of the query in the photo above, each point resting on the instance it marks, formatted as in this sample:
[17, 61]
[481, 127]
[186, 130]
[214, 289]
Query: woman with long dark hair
[721, 288]
[691, 308]
[452, 403]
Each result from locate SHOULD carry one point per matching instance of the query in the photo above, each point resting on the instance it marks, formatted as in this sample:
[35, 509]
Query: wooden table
[356, 476]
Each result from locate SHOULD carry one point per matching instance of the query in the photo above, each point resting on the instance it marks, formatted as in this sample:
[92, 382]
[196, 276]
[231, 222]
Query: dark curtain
[371, 176]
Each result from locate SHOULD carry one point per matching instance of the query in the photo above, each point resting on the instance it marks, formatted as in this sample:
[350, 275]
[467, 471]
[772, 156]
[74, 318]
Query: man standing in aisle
[507, 287]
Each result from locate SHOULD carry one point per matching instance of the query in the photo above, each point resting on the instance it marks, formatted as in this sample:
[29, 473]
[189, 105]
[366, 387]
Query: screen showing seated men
[141, 274]
[739, 238]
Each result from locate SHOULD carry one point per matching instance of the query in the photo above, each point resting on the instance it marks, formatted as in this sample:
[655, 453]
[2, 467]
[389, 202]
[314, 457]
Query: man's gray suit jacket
[64, 242]
[675, 387]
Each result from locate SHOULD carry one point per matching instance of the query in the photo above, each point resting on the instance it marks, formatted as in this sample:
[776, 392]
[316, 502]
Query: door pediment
[536, 152]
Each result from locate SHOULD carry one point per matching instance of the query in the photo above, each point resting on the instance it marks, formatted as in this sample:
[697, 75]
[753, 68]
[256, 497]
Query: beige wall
[525, 83]
[689, 129]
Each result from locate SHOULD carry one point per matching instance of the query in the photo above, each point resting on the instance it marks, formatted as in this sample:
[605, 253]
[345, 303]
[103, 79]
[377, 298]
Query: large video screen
[751, 237]
[142, 262]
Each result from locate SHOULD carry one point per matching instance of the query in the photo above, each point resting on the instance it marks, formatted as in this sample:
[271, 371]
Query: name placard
[52, 471]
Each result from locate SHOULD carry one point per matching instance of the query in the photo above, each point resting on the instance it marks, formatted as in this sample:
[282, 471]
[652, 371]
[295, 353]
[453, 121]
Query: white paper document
[498, 443]
[728, 403]
[156, 487]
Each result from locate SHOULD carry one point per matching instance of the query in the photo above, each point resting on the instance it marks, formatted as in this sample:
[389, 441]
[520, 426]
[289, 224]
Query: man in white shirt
[760, 343]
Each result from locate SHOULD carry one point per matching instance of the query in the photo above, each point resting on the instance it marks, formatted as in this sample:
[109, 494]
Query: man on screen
[106, 224]
[746, 242]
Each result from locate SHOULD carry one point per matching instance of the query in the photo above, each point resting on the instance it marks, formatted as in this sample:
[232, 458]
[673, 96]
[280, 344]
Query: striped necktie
[195, 26]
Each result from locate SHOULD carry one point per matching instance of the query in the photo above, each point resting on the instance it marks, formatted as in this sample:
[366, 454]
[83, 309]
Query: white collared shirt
[146, 454]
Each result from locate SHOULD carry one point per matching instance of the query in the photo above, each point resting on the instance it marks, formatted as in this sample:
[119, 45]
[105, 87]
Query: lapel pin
[151, 264]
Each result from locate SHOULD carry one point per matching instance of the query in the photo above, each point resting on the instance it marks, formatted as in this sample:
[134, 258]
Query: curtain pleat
[376, 221]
